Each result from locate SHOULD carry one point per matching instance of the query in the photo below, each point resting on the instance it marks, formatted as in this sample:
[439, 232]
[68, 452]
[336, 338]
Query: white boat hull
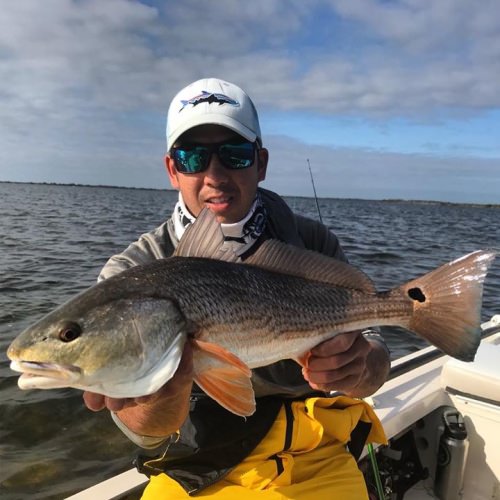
[414, 402]
[410, 406]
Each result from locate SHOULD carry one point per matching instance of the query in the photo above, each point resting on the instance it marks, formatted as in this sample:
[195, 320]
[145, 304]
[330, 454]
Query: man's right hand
[159, 414]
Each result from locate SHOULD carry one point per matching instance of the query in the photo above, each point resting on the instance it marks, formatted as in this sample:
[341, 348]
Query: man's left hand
[348, 363]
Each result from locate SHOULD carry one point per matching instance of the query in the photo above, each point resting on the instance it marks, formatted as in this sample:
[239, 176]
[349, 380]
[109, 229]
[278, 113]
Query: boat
[442, 419]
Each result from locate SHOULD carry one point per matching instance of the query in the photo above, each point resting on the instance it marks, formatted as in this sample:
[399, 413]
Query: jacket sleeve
[318, 237]
[156, 244]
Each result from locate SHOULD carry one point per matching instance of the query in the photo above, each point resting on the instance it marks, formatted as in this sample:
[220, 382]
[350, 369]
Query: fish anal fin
[224, 377]
[281, 257]
[303, 359]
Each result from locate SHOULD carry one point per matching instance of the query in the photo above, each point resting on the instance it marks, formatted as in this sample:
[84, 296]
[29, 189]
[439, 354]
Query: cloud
[423, 25]
[85, 84]
[120, 54]
[371, 174]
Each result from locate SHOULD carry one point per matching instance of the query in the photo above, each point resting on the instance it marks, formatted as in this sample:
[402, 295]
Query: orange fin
[224, 377]
[447, 304]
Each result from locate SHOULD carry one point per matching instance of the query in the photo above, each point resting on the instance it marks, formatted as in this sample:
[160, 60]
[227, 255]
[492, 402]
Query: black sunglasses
[195, 158]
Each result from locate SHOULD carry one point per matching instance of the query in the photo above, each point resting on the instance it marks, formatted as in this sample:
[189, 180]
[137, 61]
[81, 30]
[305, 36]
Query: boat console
[479, 380]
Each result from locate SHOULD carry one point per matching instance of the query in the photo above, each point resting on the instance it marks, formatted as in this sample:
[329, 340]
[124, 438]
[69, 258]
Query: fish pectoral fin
[230, 390]
[224, 377]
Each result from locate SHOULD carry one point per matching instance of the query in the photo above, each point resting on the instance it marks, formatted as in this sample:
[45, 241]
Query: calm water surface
[55, 239]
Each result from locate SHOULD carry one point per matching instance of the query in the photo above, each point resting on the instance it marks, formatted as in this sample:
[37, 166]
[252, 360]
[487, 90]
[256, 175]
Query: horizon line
[385, 200]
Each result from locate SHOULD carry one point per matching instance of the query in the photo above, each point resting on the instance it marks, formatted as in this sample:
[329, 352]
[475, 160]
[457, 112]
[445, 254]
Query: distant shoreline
[384, 200]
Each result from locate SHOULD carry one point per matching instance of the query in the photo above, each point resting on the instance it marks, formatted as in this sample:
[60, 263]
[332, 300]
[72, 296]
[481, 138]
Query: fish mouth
[39, 375]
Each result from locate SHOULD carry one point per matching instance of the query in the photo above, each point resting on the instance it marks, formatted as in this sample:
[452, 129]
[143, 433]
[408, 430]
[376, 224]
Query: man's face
[229, 194]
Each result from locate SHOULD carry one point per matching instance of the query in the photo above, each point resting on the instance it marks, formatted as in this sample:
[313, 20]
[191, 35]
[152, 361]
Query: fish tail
[447, 304]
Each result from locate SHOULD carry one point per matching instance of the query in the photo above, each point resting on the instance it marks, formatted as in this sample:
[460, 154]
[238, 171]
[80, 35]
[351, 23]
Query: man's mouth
[218, 200]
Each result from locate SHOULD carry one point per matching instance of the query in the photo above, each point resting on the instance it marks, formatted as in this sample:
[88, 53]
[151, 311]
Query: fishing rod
[371, 451]
[314, 189]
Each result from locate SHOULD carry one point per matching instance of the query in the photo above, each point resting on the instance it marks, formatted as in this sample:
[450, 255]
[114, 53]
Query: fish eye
[70, 332]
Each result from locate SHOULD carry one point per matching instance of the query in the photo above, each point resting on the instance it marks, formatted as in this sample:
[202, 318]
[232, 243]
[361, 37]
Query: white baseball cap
[216, 102]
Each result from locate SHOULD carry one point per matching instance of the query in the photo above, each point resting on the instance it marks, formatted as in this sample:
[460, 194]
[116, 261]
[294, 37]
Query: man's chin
[222, 211]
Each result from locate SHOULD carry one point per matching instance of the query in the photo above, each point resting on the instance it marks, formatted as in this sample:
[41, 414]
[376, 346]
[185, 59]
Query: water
[55, 239]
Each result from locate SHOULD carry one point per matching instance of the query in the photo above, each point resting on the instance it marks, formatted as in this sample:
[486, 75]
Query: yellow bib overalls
[315, 466]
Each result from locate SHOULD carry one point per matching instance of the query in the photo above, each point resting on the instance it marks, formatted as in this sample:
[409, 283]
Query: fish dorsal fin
[204, 238]
[277, 256]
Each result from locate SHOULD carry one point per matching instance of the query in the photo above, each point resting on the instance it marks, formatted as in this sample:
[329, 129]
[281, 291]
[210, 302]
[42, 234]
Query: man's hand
[159, 414]
[349, 363]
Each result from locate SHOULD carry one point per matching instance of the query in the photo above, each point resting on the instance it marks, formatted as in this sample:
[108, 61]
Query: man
[294, 446]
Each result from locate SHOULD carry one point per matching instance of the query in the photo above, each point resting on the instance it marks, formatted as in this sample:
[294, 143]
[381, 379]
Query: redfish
[124, 336]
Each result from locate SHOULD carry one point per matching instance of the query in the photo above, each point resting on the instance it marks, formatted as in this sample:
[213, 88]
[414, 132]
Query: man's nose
[216, 171]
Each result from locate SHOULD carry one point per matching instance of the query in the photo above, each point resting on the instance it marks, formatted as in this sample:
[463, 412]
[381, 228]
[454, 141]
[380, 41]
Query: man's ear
[171, 171]
[262, 158]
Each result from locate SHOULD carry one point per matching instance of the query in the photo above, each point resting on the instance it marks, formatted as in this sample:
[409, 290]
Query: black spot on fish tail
[417, 294]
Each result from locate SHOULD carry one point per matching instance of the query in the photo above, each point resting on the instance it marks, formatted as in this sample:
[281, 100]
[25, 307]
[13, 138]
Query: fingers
[336, 345]
[97, 402]
[337, 352]
[179, 383]
[341, 379]
[338, 363]
[94, 402]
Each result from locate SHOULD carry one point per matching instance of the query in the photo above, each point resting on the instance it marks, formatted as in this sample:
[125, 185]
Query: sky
[385, 98]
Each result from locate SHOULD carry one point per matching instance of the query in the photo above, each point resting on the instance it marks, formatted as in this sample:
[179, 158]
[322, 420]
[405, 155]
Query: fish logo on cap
[209, 97]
